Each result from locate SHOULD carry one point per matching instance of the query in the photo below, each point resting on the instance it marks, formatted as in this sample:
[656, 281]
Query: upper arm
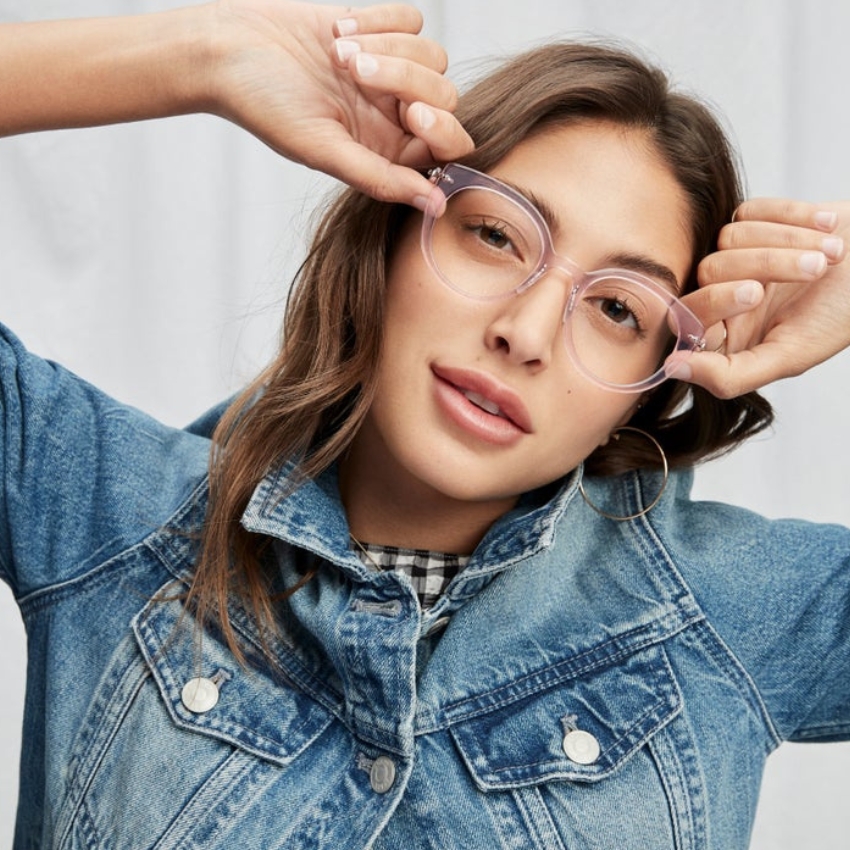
[82, 475]
[778, 595]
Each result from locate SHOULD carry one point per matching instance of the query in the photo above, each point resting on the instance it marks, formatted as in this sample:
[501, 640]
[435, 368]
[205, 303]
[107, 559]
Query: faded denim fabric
[686, 644]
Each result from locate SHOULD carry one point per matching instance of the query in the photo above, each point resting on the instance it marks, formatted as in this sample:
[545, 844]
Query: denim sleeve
[83, 476]
[777, 592]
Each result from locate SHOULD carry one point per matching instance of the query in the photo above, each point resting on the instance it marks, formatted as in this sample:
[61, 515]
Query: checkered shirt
[429, 572]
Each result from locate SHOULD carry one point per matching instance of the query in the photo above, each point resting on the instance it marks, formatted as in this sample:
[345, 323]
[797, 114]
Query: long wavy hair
[310, 401]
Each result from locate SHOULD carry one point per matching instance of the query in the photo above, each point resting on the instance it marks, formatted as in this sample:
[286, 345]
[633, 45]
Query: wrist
[183, 63]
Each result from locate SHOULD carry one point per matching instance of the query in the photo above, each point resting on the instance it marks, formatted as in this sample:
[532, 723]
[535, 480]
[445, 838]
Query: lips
[481, 403]
[484, 403]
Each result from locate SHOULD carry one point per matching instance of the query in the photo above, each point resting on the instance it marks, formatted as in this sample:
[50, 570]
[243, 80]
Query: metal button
[581, 747]
[382, 775]
[438, 625]
[199, 695]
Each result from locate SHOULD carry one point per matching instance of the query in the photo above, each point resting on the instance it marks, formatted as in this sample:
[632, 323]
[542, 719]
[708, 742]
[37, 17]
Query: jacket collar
[309, 514]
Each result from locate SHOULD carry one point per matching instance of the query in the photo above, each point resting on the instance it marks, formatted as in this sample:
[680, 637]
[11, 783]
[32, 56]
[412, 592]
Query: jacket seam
[743, 681]
[530, 684]
[43, 597]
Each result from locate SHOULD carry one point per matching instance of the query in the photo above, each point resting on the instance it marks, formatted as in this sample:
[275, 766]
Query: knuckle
[708, 270]
[440, 58]
[731, 236]
[789, 210]
[726, 387]
[405, 77]
[763, 259]
[401, 16]
[450, 97]
[742, 211]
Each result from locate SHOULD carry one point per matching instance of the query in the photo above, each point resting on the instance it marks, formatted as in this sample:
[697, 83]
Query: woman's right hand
[356, 93]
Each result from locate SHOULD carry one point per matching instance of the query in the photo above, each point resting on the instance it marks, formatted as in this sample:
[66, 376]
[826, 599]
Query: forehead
[606, 191]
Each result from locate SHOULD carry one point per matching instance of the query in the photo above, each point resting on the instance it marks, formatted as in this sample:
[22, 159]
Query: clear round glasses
[623, 329]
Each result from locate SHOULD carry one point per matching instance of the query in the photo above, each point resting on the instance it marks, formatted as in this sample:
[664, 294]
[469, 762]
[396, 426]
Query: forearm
[87, 72]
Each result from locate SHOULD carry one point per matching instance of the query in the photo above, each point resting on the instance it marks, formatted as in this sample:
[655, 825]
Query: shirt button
[438, 625]
[382, 775]
[581, 747]
[199, 695]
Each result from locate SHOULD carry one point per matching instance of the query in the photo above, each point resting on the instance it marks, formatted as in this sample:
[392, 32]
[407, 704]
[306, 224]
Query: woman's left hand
[780, 283]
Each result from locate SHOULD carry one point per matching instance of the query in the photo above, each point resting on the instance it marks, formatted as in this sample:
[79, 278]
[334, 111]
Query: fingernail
[346, 26]
[425, 117]
[345, 49]
[833, 247]
[812, 262]
[748, 293]
[421, 202]
[826, 220]
[366, 65]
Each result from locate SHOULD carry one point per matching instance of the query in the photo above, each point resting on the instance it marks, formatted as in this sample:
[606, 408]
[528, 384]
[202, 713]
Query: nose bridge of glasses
[559, 265]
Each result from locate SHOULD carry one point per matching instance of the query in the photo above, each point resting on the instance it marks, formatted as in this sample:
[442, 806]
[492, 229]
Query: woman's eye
[619, 312]
[494, 235]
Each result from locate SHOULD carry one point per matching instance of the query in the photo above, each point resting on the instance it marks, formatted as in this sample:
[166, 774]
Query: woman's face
[478, 402]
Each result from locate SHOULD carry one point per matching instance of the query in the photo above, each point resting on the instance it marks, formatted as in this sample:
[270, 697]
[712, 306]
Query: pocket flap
[522, 742]
[255, 710]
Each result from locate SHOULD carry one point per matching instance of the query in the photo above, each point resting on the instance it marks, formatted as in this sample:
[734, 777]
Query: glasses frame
[452, 178]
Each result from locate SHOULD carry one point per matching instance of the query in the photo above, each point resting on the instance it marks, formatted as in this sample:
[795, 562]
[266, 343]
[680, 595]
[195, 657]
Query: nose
[528, 327]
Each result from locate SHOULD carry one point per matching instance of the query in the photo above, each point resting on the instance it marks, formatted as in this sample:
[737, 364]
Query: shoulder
[81, 472]
[777, 593]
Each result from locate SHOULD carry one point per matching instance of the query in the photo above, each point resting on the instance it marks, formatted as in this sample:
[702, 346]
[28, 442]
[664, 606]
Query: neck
[383, 511]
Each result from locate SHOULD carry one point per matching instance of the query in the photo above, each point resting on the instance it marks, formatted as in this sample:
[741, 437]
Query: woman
[258, 662]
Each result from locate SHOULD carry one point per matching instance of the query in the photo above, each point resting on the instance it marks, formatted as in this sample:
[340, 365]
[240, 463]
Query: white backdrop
[153, 259]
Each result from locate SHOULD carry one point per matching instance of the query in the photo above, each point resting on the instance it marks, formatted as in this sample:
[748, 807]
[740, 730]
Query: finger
[722, 301]
[414, 48]
[732, 375]
[405, 80]
[764, 264]
[760, 233]
[442, 134]
[785, 211]
[371, 173]
[388, 17]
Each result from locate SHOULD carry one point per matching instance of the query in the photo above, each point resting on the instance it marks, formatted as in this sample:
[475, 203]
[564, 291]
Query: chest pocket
[161, 765]
[252, 711]
[598, 754]
[616, 708]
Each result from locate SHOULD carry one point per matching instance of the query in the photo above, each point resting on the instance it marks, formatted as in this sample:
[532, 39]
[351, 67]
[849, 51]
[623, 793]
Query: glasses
[623, 329]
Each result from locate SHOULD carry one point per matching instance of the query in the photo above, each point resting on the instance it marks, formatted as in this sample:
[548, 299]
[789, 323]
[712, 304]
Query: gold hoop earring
[655, 501]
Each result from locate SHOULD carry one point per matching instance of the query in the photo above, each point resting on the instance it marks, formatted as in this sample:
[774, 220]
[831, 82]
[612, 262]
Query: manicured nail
[748, 293]
[345, 49]
[366, 65]
[812, 262]
[833, 247]
[425, 117]
[826, 220]
[346, 26]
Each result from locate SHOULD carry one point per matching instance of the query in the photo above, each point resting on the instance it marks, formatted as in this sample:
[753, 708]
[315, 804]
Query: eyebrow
[621, 259]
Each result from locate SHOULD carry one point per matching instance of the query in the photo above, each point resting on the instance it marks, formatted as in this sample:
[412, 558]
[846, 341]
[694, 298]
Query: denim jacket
[582, 683]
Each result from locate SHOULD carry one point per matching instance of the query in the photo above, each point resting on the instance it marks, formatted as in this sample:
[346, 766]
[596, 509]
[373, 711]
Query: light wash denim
[683, 646]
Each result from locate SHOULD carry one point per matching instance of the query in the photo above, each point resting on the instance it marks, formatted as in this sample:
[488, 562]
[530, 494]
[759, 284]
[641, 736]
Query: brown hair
[310, 401]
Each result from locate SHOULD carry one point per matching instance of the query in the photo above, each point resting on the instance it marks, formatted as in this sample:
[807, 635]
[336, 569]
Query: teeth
[483, 403]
